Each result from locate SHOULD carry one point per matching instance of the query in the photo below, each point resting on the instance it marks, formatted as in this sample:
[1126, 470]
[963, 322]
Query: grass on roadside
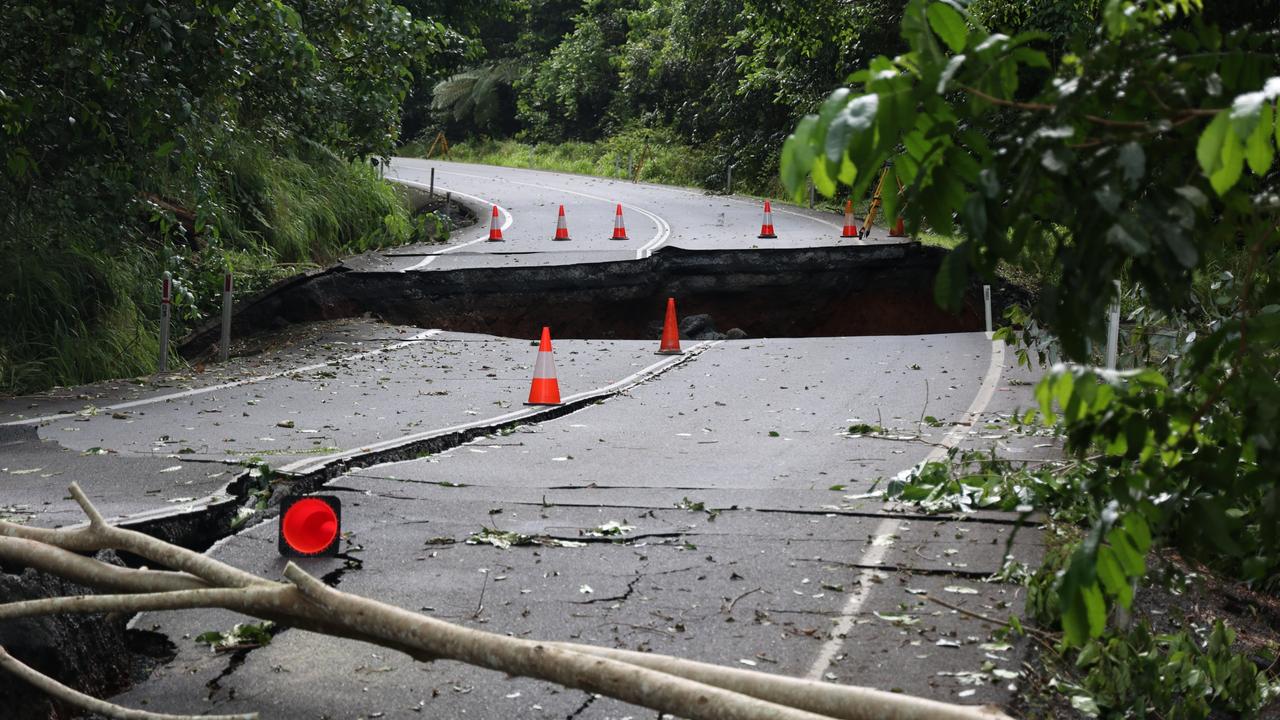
[655, 156]
[80, 290]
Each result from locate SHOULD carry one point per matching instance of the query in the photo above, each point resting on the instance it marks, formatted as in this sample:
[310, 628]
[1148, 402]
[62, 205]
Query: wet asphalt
[748, 531]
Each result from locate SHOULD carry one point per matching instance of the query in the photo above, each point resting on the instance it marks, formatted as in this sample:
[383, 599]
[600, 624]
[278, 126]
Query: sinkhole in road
[831, 291]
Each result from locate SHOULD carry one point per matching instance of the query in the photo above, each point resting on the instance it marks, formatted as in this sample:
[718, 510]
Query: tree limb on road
[694, 690]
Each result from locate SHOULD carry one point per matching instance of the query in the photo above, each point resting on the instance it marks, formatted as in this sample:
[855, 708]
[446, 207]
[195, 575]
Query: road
[655, 215]
[753, 535]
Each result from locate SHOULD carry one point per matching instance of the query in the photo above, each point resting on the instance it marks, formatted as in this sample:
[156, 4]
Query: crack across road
[747, 434]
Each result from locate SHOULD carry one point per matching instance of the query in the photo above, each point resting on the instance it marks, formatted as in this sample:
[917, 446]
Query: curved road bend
[655, 216]
[753, 535]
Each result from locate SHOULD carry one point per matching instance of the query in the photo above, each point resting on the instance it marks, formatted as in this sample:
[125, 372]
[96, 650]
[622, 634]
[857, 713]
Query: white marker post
[986, 302]
[224, 346]
[728, 183]
[166, 296]
[1113, 330]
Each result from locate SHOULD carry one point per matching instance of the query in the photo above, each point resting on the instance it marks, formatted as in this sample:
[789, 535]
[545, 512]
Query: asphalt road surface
[528, 202]
[713, 505]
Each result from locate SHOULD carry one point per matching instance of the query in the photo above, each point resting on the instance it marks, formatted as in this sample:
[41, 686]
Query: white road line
[483, 237]
[888, 526]
[661, 236]
[309, 464]
[669, 188]
[413, 340]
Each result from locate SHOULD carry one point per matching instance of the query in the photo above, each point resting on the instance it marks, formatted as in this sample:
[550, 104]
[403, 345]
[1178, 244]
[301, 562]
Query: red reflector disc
[309, 526]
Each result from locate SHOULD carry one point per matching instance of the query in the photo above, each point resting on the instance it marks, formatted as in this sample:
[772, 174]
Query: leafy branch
[699, 691]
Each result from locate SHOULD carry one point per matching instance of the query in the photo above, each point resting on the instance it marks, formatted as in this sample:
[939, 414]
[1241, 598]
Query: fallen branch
[698, 691]
[58, 691]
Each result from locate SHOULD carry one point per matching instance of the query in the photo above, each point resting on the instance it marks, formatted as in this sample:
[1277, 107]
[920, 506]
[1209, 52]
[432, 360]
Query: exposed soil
[836, 291]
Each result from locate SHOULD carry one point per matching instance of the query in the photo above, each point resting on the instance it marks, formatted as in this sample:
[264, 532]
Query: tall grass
[654, 155]
[79, 288]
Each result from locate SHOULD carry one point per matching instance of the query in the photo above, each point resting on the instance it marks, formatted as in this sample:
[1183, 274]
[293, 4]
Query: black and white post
[224, 345]
[1113, 330]
[986, 305]
[166, 300]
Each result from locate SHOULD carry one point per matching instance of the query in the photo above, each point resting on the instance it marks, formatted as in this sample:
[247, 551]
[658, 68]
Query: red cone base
[545, 390]
[898, 230]
[495, 231]
[850, 227]
[766, 227]
[670, 344]
[619, 227]
[562, 227]
[310, 526]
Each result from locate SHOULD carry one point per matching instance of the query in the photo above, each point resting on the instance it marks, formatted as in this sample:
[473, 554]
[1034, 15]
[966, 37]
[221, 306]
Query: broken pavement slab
[777, 588]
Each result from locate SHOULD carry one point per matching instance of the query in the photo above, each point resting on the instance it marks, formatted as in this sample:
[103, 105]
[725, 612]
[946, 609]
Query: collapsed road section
[830, 291]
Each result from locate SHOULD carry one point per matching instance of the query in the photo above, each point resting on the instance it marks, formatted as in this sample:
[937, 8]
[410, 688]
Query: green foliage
[481, 97]
[724, 75]
[972, 480]
[139, 138]
[1145, 154]
[241, 636]
[1078, 163]
[658, 156]
[1178, 676]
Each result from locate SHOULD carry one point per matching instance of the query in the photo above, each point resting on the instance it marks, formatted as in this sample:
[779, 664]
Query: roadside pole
[432, 190]
[1113, 330]
[224, 345]
[728, 183]
[986, 302]
[166, 294]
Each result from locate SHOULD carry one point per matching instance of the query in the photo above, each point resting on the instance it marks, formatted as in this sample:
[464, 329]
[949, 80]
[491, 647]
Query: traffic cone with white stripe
[545, 389]
[495, 231]
[766, 227]
[850, 227]
[670, 344]
[619, 227]
[898, 229]
[562, 227]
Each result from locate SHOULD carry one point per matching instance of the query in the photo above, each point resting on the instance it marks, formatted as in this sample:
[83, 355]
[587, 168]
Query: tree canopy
[1142, 153]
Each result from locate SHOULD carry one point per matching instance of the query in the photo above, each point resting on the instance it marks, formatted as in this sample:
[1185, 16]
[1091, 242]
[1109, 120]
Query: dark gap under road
[832, 291]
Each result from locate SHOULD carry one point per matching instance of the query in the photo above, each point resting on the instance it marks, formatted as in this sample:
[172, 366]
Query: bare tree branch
[97, 535]
[90, 572]
[699, 691]
[61, 692]
[847, 702]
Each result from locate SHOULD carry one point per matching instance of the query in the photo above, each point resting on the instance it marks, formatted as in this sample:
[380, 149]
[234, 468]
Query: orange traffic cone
[545, 389]
[850, 227]
[766, 227]
[619, 228]
[562, 227]
[495, 232]
[670, 332]
[898, 230]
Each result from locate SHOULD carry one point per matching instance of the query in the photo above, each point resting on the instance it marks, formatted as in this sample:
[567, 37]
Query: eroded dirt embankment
[835, 291]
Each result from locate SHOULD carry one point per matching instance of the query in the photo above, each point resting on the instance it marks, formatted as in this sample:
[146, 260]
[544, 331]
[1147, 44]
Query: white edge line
[663, 227]
[888, 526]
[413, 340]
[310, 464]
[656, 186]
[506, 223]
